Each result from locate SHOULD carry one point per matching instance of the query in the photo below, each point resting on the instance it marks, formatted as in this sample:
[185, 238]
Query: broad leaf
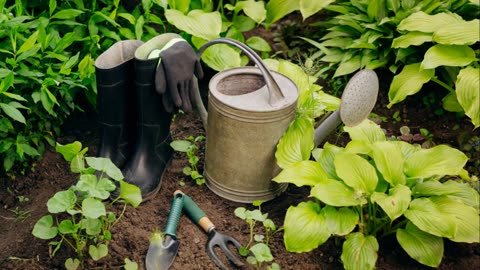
[66, 226]
[98, 189]
[197, 23]
[367, 131]
[44, 228]
[296, 143]
[98, 252]
[341, 221]
[221, 56]
[460, 33]
[336, 193]
[181, 145]
[12, 112]
[395, 203]
[277, 9]
[105, 165]
[411, 39]
[253, 9]
[62, 201]
[389, 161]
[304, 227]
[453, 189]
[429, 217]
[326, 159]
[69, 151]
[450, 103]
[356, 172]
[302, 173]
[437, 161]
[348, 66]
[262, 252]
[359, 252]
[259, 44]
[466, 219]
[448, 55]
[130, 193]
[408, 82]
[422, 22]
[311, 7]
[421, 246]
[92, 208]
[468, 95]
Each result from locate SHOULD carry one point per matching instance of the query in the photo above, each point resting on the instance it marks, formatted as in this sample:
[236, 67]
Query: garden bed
[26, 201]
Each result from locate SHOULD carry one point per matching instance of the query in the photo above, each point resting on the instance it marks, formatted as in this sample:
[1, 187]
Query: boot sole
[154, 192]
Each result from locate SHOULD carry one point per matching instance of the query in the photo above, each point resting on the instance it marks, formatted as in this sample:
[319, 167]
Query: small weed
[21, 215]
[257, 250]
[190, 148]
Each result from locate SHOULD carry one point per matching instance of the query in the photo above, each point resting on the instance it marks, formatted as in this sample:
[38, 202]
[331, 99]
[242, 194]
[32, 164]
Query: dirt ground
[20, 250]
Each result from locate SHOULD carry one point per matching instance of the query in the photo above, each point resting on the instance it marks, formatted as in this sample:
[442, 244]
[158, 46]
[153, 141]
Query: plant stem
[446, 86]
[121, 214]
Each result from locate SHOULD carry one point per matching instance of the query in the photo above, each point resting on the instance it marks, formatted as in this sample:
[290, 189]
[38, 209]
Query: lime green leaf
[101, 189]
[437, 161]
[465, 217]
[341, 221]
[69, 151]
[68, 14]
[453, 189]
[221, 56]
[44, 228]
[460, 33]
[277, 9]
[359, 252]
[296, 143]
[261, 252]
[408, 82]
[71, 264]
[130, 193]
[29, 43]
[448, 55]
[426, 23]
[326, 159]
[450, 103]
[349, 66]
[13, 112]
[61, 201]
[356, 172]
[336, 193]
[181, 145]
[259, 44]
[411, 38]
[304, 227]
[468, 95]
[105, 165]
[197, 23]
[66, 226]
[421, 246]
[310, 7]
[367, 131]
[98, 252]
[7, 81]
[395, 203]
[427, 215]
[389, 161]
[92, 226]
[253, 9]
[130, 265]
[302, 173]
[92, 208]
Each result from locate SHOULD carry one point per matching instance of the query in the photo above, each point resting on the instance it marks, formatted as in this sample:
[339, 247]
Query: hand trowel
[164, 246]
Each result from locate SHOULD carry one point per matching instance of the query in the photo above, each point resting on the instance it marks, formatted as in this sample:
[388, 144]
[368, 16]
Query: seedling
[82, 219]
[190, 148]
[257, 250]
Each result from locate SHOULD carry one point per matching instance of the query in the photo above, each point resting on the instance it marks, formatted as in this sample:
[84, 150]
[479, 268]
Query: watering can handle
[276, 94]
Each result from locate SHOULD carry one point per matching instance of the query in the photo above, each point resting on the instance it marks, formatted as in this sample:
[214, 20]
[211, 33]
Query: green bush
[47, 66]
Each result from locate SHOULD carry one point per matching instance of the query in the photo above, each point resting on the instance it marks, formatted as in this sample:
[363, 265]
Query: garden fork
[215, 238]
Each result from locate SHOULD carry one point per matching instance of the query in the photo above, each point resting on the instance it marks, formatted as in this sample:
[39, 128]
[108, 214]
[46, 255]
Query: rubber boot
[115, 94]
[152, 149]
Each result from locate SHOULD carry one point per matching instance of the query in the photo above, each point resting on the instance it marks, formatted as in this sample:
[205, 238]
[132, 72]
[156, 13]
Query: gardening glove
[178, 65]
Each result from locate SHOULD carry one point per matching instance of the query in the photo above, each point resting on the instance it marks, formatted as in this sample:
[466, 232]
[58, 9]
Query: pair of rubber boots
[134, 127]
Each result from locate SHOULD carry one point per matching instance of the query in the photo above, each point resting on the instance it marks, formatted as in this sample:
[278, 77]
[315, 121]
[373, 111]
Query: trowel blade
[161, 256]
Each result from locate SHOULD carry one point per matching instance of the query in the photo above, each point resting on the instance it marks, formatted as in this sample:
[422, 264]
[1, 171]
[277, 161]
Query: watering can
[249, 110]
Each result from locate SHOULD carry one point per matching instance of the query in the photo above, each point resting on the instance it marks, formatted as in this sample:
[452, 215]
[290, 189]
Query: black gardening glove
[179, 63]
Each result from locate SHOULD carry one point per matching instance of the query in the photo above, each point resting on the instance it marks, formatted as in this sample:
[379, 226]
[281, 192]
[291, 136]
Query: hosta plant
[81, 217]
[373, 188]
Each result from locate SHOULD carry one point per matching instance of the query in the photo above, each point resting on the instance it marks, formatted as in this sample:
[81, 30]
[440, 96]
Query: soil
[27, 194]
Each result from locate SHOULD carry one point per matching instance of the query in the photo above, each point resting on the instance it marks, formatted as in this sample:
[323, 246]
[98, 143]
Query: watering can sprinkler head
[358, 100]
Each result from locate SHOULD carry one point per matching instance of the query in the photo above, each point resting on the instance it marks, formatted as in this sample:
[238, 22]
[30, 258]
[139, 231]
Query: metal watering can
[250, 108]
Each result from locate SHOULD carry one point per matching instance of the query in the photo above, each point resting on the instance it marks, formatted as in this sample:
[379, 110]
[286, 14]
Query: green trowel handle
[195, 213]
[174, 215]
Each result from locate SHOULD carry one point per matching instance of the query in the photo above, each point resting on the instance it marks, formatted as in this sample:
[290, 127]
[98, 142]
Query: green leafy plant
[190, 148]
[257, 250]
[47, 66]
[374, 188]
[82, 219]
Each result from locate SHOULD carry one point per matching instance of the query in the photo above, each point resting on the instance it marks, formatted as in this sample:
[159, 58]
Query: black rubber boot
[152, 152]
[115, 76]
